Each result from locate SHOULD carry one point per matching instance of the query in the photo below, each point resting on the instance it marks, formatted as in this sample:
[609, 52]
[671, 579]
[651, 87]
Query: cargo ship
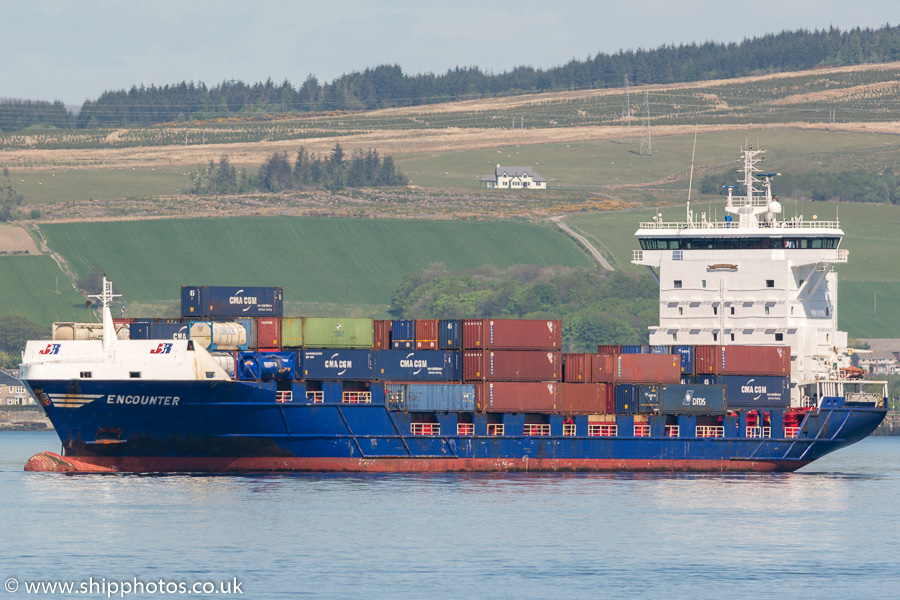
[743, 373]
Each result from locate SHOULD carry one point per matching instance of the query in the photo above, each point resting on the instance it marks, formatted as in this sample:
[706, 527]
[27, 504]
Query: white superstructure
[752, 279]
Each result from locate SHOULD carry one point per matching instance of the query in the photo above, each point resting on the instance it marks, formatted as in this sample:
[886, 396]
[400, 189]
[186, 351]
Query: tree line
[595, 308]
[846, 186]
[333, 171]
[388, 86]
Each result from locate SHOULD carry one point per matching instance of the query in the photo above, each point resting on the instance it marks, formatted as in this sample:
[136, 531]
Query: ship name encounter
[147, 400]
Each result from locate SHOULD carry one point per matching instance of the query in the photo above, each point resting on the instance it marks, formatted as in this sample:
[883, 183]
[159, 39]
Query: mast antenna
[690, 218]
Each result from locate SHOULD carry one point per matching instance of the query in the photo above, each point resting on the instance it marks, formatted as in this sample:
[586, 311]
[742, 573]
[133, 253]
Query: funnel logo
[162, 349]
[50, 349]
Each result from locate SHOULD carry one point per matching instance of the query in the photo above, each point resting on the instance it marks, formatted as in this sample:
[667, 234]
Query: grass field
[320, 262]
[29, 290]
[72, 185]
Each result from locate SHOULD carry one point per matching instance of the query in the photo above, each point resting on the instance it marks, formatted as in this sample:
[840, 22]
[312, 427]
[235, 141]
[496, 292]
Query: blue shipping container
[634, 349]
[265, 366]
[627, 398]
[168, 331]
[449, 334]
[249, 324]
[403, 334]
[659, 350]
[206, 301]
[335, 364]
[753, 391]
[139, 330]
[694, 399]
[687, 358]
[431, 397]
[418, 365]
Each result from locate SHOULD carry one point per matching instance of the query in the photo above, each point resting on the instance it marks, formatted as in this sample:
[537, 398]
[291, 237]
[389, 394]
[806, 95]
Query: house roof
[519, 172]
[6, 379]
[513, 172]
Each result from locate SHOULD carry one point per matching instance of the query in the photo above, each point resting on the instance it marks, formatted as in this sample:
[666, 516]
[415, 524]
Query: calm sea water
[831, 530]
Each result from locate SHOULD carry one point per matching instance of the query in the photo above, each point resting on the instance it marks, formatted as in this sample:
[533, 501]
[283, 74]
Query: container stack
[489, 365]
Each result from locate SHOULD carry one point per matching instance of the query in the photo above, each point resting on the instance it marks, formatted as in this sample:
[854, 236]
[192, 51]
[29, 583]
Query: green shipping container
[338, 332]
[292, 332]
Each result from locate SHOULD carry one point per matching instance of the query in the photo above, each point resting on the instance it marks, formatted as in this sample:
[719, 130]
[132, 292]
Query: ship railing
[495, 428]
[701, 225]
[465, 429]
[357, 398]
[641, 430]
[284, 396]
[425, 428]
[569, 429]
[791, 432]
[710, 431]
[537, 429]
[672, 430]
[759, 432]
[316, 397]
[603, 429]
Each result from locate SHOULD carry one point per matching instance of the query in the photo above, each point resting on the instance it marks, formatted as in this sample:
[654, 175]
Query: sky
[74, 50]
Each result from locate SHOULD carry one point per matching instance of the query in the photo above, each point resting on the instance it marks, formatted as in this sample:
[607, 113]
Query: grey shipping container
[207, 301]
[694, 399]
[430, 397]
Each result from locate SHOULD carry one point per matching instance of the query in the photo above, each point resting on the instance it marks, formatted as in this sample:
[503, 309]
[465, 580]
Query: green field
[323, 264]
[29, 290]
[71, 185]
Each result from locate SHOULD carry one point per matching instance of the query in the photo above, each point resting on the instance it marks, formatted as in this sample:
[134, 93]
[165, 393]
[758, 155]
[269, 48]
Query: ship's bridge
[803, 241]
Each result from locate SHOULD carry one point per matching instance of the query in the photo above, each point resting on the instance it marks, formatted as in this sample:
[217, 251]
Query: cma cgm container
[426, 334]
[753, 391]
[338, 332]
[743, 360]
[291, 332]
[167, 331]
[586, 398]
[516, 396]
[648, 368]
[449, 334]
[268, 333]
[209, 301]
[430, 397]
[265, 366]
[511, 365]
[511, 334]
[336, 364]
[695, 399]
[417, 365]
[403, 334]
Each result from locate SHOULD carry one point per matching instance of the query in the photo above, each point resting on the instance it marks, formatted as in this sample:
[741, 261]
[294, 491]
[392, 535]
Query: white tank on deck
[214, 335]
[86, 331]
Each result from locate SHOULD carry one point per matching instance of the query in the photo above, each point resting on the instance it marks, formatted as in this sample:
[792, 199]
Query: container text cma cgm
[743, 373]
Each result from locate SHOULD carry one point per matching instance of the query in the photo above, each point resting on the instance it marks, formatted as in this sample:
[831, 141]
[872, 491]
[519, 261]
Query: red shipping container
[516, 396]
[426, 334]
[578, 368]
[743, 360]
[586, 398]
[511, 365]
[382, 339]
[268, 333]
[607, 349]
[512, 334]
[648, 368]
[603, 368]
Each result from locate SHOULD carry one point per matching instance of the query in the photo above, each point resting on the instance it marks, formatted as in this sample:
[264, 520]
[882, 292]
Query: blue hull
[205, 426]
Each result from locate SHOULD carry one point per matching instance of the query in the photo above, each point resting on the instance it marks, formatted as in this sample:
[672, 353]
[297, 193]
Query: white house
[514, 178]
